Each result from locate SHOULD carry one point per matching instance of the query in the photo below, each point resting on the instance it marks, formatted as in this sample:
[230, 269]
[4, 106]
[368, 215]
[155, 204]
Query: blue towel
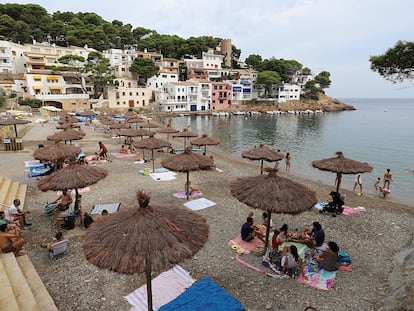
[204, 295]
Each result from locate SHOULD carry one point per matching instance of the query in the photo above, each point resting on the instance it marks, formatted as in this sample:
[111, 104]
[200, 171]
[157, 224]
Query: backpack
[87, 220]
[68, 223]
[344, 258]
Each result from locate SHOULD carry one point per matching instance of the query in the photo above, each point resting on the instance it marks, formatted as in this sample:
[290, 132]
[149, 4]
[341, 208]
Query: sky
[338, 36]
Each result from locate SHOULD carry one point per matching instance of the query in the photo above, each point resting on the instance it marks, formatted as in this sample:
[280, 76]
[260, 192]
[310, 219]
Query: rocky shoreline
[378, 239]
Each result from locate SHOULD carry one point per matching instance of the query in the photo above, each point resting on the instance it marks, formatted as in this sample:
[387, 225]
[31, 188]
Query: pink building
[220, 95]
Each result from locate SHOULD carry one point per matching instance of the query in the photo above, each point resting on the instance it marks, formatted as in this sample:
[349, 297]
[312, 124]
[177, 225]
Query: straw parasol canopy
[68, 119]
[72, 177]
[263, 153]
[187, 161]
[274, 194]
[149, 125]
[168, 130]
[134, 133]
[205, 141]
[57, 152]
[152, 143]
[341, 165]
[14, 122]
[67, 135]
[144, 239]
[185, 133]
[118, 126]
[67, 125]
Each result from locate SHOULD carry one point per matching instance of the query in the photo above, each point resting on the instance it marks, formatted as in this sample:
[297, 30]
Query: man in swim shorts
[387, 179]
[10, 241]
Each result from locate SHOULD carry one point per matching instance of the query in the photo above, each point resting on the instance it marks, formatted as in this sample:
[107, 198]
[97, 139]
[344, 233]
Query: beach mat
[157, 170]
[182, 195]
[119, 155]
[321, 280]
[165, 287]
[246, 247]
[164, 176]
[350, 211]
[204, 295]
[199, 204]
[110, 207]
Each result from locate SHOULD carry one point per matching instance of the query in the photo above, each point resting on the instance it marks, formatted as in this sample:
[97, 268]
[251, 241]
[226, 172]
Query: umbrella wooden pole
[261, 167]
[188, 184]
[205, 150]
[267, 231]
[149, 288]
[152, 158]
[338, 181]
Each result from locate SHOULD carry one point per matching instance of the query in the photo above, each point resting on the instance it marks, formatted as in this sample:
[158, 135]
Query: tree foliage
[397, 63]
[268, 79]
[99, 72]
[144, 67]
[317, 85]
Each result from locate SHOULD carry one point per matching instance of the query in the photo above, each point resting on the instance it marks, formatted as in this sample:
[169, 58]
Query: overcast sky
[334, 35]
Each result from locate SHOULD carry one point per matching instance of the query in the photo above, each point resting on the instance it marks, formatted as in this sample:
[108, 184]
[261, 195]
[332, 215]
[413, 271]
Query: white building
[287, 92]
[179, 97]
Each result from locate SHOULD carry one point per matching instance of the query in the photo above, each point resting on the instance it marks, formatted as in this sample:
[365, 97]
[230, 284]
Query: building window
[123, 93]
[137, 93]
[130, 93]
[143, 93]
[117, 103]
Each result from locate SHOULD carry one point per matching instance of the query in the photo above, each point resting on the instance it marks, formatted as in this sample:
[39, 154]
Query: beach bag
[87, 220]
[344, 258]
[68, 223]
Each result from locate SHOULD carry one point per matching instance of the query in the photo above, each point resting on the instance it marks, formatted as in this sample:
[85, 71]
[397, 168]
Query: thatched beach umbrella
[185, 133]
[205, 141]
[67, 135]
[57, 152]
[68, 119]
[67, 125]
[168, 130]
[274, 194]
[118, 126]
[14, 122]
[187, 161]
[152, 143]
[263, 154]
[73, 176]
[149, 125]
[341, 165]
[146, 238]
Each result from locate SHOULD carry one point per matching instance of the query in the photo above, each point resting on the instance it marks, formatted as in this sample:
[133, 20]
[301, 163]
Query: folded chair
[59, 249]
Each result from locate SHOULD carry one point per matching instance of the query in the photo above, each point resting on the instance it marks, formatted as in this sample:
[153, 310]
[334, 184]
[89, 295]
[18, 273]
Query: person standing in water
[387, 179]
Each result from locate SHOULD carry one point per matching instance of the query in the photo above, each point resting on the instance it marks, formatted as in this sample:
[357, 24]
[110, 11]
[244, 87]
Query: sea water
[379, 132]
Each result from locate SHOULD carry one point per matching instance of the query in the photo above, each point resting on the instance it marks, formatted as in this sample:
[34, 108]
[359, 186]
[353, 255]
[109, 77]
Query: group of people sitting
[288, 259]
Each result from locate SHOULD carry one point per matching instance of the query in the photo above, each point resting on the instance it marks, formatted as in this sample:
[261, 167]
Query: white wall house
[287, 92]
[163, 77]
[178, 96]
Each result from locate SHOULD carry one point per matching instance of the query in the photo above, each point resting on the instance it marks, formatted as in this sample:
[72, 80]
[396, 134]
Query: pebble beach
[372, 238]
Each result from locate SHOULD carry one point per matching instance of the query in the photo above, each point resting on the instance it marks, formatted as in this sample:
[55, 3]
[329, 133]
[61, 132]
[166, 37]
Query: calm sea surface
[380, 132]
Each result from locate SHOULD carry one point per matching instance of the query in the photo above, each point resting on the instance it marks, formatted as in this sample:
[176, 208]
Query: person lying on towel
[249, 232]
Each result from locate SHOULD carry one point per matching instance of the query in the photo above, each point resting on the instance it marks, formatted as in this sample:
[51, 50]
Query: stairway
[21, 287]
[10, 190]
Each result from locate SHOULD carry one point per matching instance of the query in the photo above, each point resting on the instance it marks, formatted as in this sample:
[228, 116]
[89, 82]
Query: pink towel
[182, 195]
[123, 155]
[349, 210]
[247, 247]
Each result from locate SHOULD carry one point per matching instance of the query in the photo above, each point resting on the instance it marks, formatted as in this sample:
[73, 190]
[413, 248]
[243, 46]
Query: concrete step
[21, 194]
[21, 290]
[36, 285]
[4, 189]
[12, 193]
[7, 300]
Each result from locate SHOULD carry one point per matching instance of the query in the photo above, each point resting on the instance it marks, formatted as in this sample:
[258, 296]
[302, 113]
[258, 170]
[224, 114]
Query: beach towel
[204, 295]
[157, 170]
[302, 248]
[246, 247]
[321, 280]
[320, 205]
[110, 207]
[164, 176]
[31, 163]
[119, 155]
[199, 204]
[349, 210]
[165, 287]
[182, 195]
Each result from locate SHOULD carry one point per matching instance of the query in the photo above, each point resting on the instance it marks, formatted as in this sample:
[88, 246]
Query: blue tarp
[204, 295]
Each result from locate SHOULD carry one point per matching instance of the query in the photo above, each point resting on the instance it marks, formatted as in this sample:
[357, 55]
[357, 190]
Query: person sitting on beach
[316, 238]
[189, 188]
[63, 202]
[248, 231]
[14, 213]
[11, 224]
[328, 260]
[10, 241]
[290, 261]
[123, 150]
[266, 221]
[104, 212]
[131, 149]
[58, 238]
[299, 237]
[275, 244]
[281, 237]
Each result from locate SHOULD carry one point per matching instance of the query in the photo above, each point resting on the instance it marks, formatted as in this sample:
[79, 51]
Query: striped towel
[165, 287]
